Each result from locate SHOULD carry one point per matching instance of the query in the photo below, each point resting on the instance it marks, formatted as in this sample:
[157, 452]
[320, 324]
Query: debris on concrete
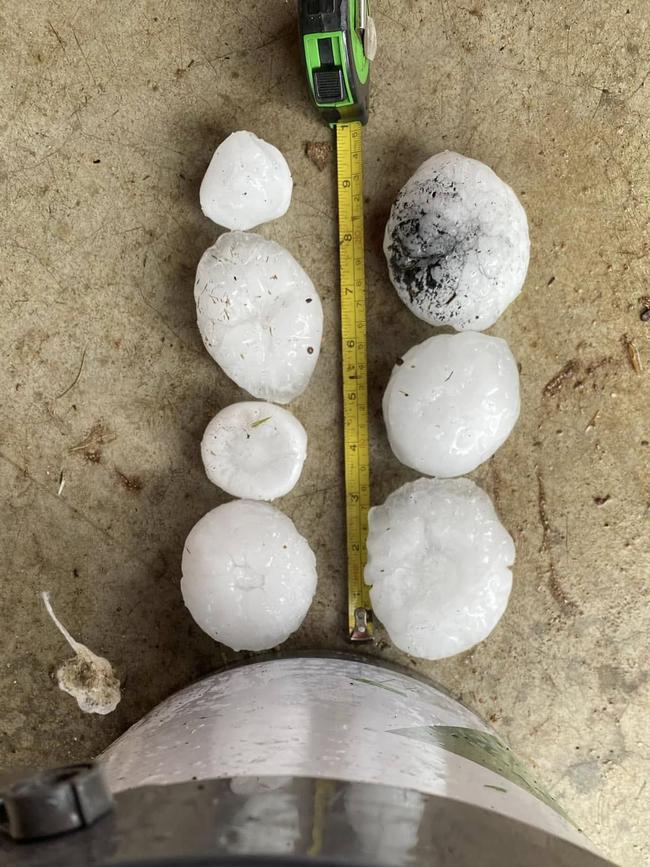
[91, 446]
[633, 354]
[88, 678]
[133, 484]
[591, 424]
[319, 152]
[556, 382]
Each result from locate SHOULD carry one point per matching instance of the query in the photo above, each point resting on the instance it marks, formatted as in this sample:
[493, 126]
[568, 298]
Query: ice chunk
[254, 449]
[88, 678]
[457, 243]
[451, 402]
[248, 575]
[247, 183]
[439, 564]
[259, 315]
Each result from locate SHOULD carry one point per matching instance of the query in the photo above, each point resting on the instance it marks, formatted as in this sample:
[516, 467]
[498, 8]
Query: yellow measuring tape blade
[349, 153]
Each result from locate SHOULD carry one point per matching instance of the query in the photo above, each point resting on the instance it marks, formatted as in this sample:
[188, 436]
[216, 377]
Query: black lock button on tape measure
[338, 43]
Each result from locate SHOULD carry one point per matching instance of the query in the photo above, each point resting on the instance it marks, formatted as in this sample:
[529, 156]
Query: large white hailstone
[254, 450]
[439, 564]
[451, 402]
[248, 182]
[457, 243]
[259, 315]
[248, 575]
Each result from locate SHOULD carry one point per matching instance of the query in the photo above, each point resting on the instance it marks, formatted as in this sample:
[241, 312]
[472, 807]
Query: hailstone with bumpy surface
[248, 182]
[254, 450]
[451, 402]
[259, 315]
[439, 564]
[457, 243]
[248, 575]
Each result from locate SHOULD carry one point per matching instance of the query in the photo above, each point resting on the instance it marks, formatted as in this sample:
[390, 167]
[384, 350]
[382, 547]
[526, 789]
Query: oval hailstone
[439, 564]
[248, 575]
[451, 402]
[456, 243]
[254, 450]
[259, 315]
[248, 182]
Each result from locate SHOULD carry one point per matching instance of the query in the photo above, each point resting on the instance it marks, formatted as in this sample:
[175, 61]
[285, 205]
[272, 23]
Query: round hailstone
[254, 450]
[439, 565]
[451, 402]
[247, 183]
[248, 575]
[457, 243]
[259, 315]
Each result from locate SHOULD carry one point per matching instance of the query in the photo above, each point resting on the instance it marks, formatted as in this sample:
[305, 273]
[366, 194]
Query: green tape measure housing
[335, 62]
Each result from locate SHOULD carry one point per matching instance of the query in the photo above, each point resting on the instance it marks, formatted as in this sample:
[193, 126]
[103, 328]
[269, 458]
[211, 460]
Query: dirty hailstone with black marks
[248, 182]
[451, 401]
[439, 566]
[457, 243]
[248, 575]
[259, 315]
[254, 449]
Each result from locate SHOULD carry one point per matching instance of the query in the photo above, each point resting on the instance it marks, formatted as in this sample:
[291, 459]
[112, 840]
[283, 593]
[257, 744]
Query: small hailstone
[457, 243]
[254, 450]
[248, 575]
[439, 564]
[259, 315]
[88, 678]
[451, 402]
[248, 182]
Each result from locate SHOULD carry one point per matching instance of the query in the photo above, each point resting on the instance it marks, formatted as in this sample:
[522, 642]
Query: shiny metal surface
[330, 718]
[270, 821]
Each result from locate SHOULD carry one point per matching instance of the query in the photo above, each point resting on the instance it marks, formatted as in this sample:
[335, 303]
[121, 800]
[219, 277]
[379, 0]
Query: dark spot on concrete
[556, 382]
[644, 315]
[600, 501]
[133, 484]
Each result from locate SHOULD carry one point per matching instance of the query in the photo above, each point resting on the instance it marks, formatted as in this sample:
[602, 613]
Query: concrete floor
[109, 113]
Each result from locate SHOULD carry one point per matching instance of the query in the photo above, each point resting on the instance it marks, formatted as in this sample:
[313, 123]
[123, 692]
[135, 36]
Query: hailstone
[248, 182]
[457, 243]
[451, 402]
[254, 449]
[439, 564]
[248, 575]
[259, 315]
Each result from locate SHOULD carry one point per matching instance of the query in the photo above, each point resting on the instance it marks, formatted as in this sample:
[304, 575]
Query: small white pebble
[439, 564]
[259, 315]
[254, 450]
[248, 575]
[451, 403]
[248, 182]
[457, 243]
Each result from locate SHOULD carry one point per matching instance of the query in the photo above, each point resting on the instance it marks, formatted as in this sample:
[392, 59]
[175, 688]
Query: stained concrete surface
[109, 113]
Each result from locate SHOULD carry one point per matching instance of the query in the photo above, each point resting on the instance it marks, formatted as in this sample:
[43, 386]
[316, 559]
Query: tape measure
[338, 42]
